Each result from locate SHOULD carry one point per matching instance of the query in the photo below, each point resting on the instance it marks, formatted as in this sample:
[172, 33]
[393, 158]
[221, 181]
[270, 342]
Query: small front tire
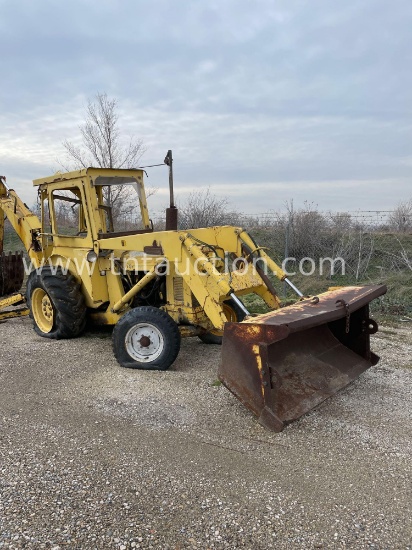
[146, 338]
[233, 313]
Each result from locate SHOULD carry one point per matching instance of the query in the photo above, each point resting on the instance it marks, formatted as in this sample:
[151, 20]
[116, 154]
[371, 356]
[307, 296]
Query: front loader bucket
[282, 364]
[11, 273]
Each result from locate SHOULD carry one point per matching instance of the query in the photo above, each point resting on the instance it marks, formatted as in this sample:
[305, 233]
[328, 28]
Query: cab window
[69, 218]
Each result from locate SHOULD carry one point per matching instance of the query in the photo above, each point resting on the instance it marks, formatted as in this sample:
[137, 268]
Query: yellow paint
[256, 352]
[11, 300]
[15, 313]
[195, 258]
[15, 299]
[42, 309]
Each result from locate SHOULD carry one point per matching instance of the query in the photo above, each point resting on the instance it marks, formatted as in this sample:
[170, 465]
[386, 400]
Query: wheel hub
[42, 309]
[47, 308]
[144, 342]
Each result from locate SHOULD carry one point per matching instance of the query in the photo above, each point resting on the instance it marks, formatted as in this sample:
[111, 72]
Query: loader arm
[212, 286]
[251, 249]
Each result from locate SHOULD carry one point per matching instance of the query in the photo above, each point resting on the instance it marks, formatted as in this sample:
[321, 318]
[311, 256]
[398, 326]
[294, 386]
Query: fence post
[287, 236]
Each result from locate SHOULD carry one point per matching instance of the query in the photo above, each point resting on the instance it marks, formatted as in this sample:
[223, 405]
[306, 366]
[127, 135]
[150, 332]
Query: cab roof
[93, 173]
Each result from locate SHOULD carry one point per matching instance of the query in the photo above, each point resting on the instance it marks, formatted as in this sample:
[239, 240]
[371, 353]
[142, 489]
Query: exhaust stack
[171, 212]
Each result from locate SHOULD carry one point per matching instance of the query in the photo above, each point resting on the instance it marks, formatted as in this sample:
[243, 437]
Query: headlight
[91, 256]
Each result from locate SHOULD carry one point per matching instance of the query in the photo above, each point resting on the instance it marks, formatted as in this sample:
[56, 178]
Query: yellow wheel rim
[230, 316]
[42, 309]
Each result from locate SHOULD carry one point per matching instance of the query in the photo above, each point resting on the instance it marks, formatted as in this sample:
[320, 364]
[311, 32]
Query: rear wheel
[56, 304]
[233, 314]
[146, 338]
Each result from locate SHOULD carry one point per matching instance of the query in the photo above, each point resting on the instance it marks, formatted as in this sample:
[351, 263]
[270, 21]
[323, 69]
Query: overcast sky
[264, 101]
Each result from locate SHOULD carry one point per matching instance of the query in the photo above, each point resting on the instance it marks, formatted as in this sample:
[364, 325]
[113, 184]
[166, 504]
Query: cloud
[260, 101]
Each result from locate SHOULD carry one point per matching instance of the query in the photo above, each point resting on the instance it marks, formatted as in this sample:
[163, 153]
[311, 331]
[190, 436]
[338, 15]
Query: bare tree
[204, 209]
[101, 142]
[401, 217]
[102, 146]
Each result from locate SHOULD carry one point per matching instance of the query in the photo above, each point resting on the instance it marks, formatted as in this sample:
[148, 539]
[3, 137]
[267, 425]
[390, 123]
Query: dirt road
[95, 456]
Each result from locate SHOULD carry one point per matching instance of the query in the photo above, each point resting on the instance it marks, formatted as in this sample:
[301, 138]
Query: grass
[254, 304]
[12, 242]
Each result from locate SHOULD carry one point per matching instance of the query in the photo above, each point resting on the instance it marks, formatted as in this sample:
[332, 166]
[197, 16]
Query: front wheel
[233, 314]
[146, 338]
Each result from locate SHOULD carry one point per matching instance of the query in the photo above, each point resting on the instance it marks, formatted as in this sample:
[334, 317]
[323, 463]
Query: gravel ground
[95, 456]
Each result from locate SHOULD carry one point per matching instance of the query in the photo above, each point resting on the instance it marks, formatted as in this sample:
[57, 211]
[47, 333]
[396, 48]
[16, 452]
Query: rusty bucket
[282, 364]
[11, 273]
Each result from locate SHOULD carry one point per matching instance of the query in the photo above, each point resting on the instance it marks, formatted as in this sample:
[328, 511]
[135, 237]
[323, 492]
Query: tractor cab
[90, 204]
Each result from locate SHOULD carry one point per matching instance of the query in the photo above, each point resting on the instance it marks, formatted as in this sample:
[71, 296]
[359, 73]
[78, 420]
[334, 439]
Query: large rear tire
[233, 313]
[146, 338]
[56, 304]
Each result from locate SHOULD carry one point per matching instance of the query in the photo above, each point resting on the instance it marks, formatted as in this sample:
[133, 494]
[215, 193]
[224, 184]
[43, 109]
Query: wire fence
[363, 241]
[324, 249]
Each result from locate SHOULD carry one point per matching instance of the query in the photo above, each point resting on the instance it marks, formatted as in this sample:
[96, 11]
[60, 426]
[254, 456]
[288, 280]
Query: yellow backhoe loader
[155, 287]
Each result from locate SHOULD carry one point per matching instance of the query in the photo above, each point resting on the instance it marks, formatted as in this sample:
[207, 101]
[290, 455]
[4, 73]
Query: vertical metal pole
[1, 231]
[285, 286]
[3, 193]
[171, 212]
[169, 162]
[109, 196]
[287, 240]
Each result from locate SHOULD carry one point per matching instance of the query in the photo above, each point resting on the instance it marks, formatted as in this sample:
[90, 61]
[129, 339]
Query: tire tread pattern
[67, 298]
[163, 322]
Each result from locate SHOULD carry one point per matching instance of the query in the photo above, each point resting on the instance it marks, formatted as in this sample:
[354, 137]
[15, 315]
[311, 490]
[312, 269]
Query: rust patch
[154, 250]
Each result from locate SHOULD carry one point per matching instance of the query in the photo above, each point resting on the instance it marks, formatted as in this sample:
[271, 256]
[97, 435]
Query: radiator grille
[178, 289]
